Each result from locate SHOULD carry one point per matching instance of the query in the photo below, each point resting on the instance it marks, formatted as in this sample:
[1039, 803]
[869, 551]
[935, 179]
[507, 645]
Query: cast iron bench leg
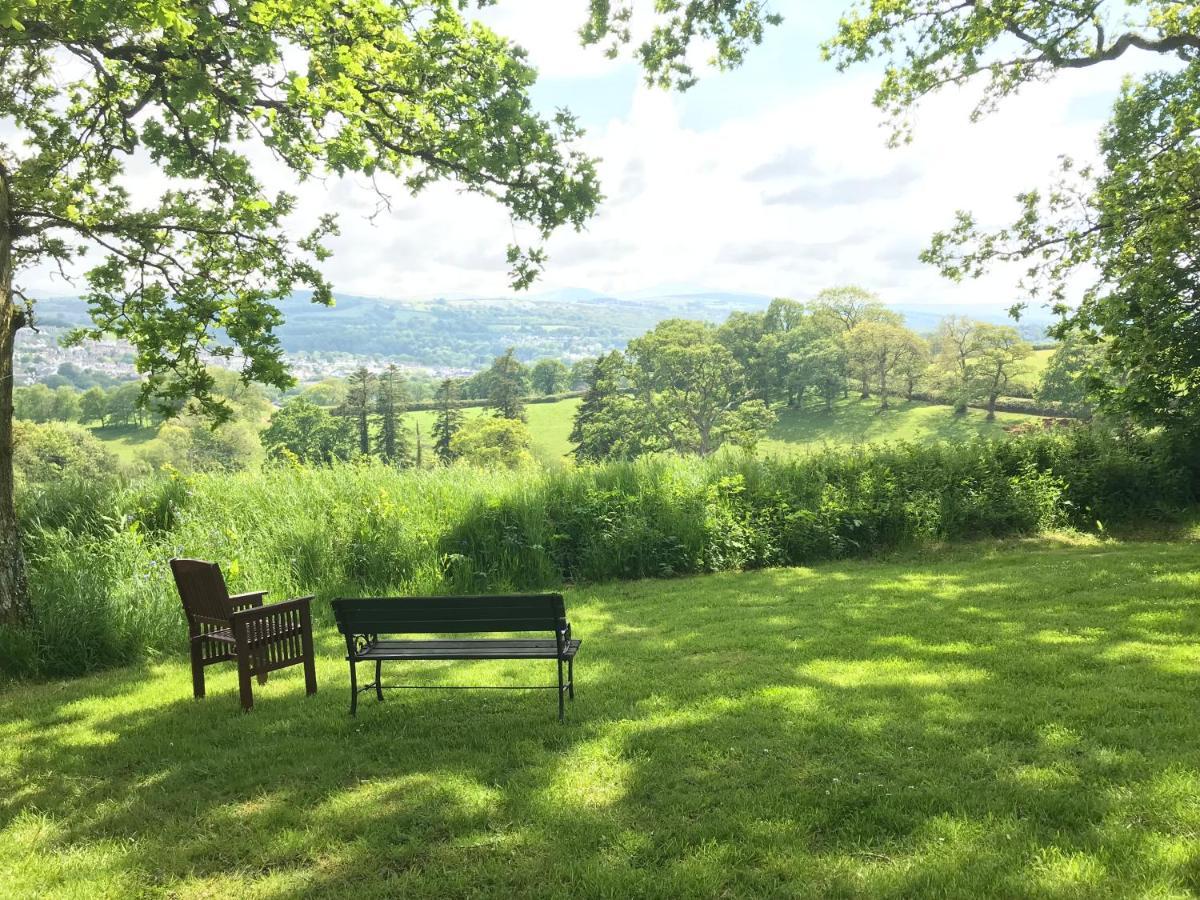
[571, 678]
[561, 710]
[353, 688]
[379, 679]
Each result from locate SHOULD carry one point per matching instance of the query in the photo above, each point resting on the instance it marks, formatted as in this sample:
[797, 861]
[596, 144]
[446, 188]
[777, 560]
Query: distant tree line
[692, 387]
[686, 387]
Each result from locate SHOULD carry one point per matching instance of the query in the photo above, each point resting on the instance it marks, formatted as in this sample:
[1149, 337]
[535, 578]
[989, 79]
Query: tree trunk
[991, 408]
[14, 595]
[883, 390]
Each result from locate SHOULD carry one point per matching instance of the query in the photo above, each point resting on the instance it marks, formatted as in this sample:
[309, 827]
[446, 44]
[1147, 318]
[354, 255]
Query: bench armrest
[250, 599]
[562, 636]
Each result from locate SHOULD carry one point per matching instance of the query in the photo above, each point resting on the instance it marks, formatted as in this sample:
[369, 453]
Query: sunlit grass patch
[1003, 719]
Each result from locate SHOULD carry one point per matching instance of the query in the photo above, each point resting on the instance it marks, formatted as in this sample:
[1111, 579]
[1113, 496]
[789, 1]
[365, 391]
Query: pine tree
[507, 382]
[357, 406]
[391, 399]
[448, 420]
[606, 424]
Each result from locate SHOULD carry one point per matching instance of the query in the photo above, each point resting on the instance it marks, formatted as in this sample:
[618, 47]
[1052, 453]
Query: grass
[126, 442]
[1035, 365]
[1012, 719]
[856, 421]
[549, 427]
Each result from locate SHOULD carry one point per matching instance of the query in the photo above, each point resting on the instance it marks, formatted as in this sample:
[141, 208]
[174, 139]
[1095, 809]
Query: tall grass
[98, 548]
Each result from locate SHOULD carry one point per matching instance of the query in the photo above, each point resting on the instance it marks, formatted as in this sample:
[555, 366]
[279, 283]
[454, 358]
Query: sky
[775, 178]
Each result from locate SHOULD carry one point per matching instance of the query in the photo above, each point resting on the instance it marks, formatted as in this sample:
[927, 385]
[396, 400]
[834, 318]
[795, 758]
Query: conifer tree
[448, 421]
[391, 400]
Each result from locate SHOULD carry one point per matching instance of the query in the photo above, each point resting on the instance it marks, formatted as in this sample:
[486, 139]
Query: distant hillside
[468, 333]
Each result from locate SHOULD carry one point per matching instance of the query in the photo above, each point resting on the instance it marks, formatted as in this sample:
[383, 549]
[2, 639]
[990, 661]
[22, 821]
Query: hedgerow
[98, 547]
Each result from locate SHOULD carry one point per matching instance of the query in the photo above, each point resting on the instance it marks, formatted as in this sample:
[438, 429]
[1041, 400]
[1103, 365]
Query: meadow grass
[1000, 719]
[97, 547]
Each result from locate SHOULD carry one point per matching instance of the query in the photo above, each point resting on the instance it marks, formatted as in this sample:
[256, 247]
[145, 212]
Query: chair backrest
[202, 590]
[450, 615]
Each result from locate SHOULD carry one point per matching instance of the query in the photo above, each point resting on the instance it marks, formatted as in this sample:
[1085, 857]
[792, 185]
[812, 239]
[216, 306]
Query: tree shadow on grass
[1022, 727]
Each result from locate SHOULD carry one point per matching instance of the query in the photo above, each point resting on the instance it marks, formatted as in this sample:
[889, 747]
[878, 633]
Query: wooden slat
[479, 649]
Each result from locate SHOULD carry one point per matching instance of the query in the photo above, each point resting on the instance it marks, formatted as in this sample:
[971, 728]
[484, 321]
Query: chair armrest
[250, 599]
[265, 624]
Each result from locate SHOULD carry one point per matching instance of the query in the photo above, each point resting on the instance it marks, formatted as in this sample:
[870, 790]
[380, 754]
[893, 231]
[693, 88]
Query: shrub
[98, 548]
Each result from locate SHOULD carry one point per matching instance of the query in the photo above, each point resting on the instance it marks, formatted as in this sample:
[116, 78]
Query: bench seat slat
[475, 649]
[397, 625]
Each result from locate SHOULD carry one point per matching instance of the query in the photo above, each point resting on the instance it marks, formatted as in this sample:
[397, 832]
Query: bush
[103, 595]
[46, 453]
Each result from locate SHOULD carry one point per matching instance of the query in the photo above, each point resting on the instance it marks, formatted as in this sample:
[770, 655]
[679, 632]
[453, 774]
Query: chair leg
[378, 679]
[306, 646]
[262, 677]
[353, 689]
[244, 687]
[197, 650]
[310, 675]
[571, 678]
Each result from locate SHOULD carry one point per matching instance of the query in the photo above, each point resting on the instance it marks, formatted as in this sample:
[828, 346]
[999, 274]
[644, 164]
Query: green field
[1032, 371]
[126, 442]
[549, 426]
[998, 720]
[856, 421]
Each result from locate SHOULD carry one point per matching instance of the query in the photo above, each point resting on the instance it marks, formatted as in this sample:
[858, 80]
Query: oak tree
[414, 93]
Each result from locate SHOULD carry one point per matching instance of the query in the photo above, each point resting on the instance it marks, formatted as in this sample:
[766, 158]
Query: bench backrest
[450, 615]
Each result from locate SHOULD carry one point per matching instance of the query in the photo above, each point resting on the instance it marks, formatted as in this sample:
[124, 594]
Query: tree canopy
[1128, 227]
[94, 92]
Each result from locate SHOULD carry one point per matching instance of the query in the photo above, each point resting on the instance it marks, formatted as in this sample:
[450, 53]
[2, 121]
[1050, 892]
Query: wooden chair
[221, 628]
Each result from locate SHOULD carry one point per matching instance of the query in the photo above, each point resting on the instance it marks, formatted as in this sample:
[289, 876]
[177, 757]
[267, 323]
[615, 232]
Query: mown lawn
[1004, 720]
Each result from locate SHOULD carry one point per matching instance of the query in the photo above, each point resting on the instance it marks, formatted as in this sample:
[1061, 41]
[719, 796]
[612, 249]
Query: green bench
[370, 624]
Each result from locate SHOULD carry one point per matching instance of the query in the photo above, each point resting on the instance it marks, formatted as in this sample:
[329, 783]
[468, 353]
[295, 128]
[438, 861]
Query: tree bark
[991, 408]
[14, 594]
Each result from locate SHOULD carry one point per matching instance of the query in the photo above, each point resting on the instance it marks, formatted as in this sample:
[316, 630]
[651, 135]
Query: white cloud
[702, 207]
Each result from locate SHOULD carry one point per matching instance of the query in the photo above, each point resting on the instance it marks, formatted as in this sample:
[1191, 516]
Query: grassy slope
[549, 424]
[852, 422]
[857, 421]
[125, 442]
[1033, 368]
[1007, 721]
